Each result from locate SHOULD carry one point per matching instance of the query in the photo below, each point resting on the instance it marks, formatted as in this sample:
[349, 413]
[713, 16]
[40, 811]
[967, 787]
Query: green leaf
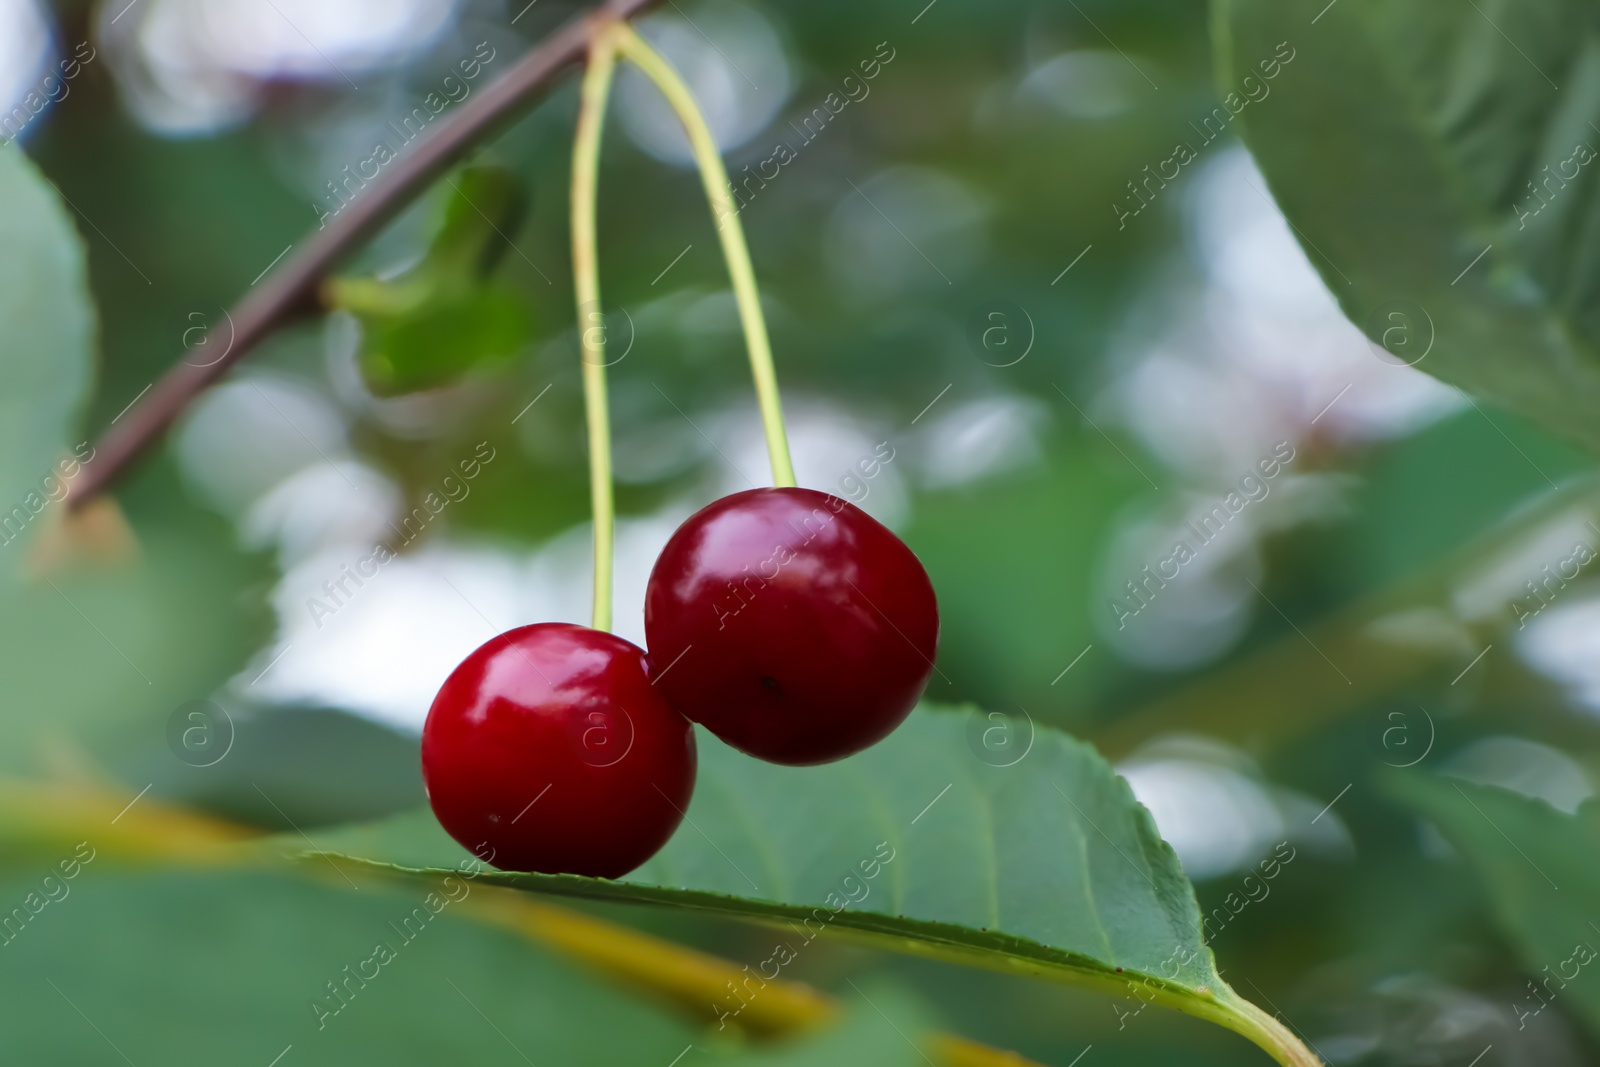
[248, 955]
[486, 204]
[445, 316]
[445, 335]
[104, 655]
[961, 837]
[1401, 140]
[1542, 871]
[1424, 629]
[884, 1025]
[46, 346]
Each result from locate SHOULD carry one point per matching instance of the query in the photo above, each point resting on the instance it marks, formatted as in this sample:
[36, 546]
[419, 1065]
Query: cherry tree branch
[289, 292]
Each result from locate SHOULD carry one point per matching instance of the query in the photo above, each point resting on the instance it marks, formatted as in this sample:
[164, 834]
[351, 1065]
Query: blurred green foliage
[445, 316]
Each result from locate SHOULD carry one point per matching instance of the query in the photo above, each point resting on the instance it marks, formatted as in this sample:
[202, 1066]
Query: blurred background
[954, 277]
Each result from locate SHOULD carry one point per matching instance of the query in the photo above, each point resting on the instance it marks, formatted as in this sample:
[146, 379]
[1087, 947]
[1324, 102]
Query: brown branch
[290, 291]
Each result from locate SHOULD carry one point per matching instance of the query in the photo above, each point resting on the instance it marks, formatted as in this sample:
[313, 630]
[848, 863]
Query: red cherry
[791, 624]
[549, 750]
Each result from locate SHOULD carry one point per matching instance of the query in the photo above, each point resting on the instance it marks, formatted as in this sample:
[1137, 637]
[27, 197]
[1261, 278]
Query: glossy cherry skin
[549, 750]
[791, 624]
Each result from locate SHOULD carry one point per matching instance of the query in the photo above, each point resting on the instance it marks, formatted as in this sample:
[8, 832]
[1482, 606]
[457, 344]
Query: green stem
[731, 234]
[1271, 1036]
[591, 327]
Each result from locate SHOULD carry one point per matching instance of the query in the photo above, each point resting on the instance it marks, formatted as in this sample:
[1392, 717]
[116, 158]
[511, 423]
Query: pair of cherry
[786, 621]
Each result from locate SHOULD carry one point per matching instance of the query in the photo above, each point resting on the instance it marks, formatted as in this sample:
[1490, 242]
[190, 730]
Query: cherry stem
[595, 90]
[715, 178]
